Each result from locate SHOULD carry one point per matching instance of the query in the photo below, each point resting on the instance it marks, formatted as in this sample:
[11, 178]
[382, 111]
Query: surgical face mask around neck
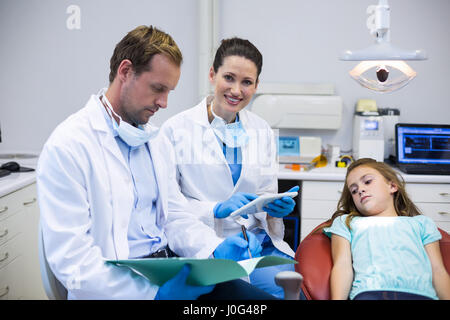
[132, 136]
[232, 134]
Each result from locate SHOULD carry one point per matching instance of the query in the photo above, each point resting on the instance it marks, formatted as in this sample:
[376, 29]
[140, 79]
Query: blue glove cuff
[216, 207]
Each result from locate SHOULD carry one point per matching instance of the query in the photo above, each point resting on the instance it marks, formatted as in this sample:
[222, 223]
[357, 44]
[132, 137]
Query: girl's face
[371, 193]
[234, 85]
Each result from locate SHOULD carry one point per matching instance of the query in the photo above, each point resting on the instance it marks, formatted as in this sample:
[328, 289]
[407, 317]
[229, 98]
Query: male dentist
[106, 187]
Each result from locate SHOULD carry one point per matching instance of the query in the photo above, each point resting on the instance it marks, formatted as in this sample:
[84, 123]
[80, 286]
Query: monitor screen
[423, 143]
[371, 125]
[289, 146]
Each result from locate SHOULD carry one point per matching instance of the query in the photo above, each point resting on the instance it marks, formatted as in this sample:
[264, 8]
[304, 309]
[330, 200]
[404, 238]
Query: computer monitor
[422, 143]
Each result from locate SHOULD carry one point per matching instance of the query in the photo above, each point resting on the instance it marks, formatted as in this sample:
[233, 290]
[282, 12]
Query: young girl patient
[382, 247]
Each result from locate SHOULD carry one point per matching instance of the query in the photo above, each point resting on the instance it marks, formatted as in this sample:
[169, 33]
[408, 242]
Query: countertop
[16, 181]
[338, 174]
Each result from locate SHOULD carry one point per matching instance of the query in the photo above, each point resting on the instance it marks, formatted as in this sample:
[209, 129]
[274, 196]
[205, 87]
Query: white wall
[49, 72]
[301, 41]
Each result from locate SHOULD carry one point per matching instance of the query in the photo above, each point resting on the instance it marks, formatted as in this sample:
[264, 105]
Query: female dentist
[226, 157]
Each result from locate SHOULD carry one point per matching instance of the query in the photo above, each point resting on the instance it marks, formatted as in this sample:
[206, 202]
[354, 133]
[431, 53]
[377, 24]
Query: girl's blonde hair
[402, 203]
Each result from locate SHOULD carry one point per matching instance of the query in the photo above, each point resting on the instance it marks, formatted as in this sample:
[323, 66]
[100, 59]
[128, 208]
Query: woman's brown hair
[238, 47]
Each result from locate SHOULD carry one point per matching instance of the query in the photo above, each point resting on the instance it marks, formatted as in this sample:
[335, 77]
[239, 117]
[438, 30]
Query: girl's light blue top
[388, 253]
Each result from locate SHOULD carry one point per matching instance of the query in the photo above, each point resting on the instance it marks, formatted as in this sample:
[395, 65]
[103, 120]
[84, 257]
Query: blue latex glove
[236, 248]
[177, 289]
[236, 201]
[281, 207]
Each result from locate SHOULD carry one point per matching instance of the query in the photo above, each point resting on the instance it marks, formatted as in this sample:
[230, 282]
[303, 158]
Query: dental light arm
[382, 56]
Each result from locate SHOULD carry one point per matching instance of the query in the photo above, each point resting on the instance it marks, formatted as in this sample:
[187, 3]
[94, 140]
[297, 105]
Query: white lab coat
[85, 195]
[205, 178]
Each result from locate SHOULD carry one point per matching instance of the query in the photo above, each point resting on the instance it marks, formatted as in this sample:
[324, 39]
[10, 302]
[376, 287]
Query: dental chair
[314, 262]
[53, 288]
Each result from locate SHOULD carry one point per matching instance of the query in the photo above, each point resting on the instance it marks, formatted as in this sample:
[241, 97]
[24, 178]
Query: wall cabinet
[20, 276]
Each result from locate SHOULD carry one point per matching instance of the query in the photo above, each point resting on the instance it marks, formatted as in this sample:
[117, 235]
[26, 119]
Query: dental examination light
[389, 71]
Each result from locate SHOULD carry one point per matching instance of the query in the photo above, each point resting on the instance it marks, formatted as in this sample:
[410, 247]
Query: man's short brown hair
[140, 45]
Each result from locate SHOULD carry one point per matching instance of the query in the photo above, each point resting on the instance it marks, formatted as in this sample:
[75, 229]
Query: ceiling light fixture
[390, 71]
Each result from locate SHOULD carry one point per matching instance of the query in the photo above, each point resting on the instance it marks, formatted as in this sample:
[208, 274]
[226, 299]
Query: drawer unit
[319, 201]
[11, 250]
[422, 192]
[433, 200]
[322, 190]
[12, 283]
[11, 204]
[439, 212]
[436, 211]
[12, 269]
[19, 263]
[11, 226]
[444, 226]
[318, 209]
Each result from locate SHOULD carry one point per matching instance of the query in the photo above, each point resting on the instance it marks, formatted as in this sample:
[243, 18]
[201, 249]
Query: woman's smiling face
[235, 83]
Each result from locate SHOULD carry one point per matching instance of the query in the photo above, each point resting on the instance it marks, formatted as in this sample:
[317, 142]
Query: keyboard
[4, 172]
[425, 169]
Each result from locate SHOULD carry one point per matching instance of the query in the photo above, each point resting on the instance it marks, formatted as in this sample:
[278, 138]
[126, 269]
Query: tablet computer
[257, 204]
